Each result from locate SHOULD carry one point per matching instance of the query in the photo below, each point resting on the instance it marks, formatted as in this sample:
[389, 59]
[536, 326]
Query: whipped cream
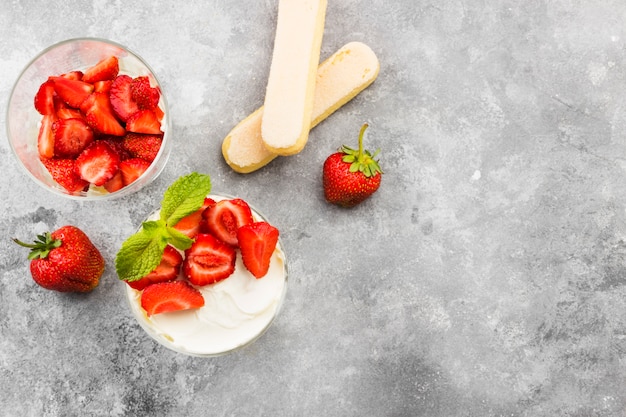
[237, 310]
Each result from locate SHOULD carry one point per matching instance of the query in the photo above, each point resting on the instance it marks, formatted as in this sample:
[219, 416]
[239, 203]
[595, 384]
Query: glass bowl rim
[280, 304]
[153, 171]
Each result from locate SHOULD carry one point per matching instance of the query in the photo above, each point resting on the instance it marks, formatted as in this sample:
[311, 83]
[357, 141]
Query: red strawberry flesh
[114, 184]
[71, 137]
[63, 111]
[117, 144]
[44, 99]
[194, 223]
[103, 86]
[63, 171]
[45, 138]
[144, 121]
[167, 270]
[98, 163]
[208, 260]
[73, 75]
[99, 115]
[132, 169]
[72, 91]
[257, 242]
[104, 70]
[165, 297]
[225, 217]
[120, 95]
[142, 146]
[145, 96]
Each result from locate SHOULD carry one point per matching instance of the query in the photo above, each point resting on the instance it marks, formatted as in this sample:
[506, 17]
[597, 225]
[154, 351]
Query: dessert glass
[237, 310]
[23, 120]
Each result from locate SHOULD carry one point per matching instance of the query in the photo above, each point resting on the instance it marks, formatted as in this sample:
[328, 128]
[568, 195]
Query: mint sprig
[142, 252]
[184, 196]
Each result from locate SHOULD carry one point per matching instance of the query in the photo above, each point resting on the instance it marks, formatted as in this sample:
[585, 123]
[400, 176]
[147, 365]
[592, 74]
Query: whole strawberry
[65, 260]
[350, 176]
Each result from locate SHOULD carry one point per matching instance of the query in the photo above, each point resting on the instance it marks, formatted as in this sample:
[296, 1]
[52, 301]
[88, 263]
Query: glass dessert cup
[23, 120]
[237, 310]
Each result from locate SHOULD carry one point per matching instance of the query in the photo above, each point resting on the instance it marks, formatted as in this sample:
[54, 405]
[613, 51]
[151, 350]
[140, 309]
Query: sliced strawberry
[144, 121]
[99, 115]
[114, 184]
[44, 99]
[103, 86]
[208, 260]
[164, 297]
[117, 144]
[89, 103]
[225, 217]
[73, 75]
[63, 172]
[64, 111]
[257, 242]
[132, 169]
[159, 113]
[106, 69]
[142, 145]
[71, 137]
[192, 224]
[122, 102]
[146, 97]
[98, 163]
[73, 92]
[45, 138]
[167, 270]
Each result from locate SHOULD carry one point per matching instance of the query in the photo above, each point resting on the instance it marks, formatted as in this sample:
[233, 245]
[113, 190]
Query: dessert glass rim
[162, 340]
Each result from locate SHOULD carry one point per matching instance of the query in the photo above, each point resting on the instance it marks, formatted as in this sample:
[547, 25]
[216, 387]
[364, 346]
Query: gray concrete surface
[485, 278]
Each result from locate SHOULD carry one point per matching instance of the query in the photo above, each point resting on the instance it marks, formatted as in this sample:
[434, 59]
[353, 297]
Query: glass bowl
[237, 310]
[23, 120]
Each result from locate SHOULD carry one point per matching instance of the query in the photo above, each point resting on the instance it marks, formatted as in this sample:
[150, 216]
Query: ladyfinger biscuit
[339, 79]
[291, 82]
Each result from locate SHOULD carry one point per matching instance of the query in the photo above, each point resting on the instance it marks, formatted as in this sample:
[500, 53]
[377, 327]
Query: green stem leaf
[41, 247]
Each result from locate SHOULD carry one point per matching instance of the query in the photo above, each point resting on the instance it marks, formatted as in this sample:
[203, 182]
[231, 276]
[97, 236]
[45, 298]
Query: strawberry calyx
[41, 247]
[361, 159]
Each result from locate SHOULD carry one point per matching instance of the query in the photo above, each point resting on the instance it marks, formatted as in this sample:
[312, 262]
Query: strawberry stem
[41, 247]
[361, 134]
[361, 160]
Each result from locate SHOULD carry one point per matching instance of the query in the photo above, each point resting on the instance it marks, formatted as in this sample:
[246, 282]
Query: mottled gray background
[485, 278]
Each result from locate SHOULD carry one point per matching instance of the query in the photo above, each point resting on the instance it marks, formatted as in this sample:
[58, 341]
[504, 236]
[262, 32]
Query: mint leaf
[178, 240]
[141, 253]
[184, 196]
